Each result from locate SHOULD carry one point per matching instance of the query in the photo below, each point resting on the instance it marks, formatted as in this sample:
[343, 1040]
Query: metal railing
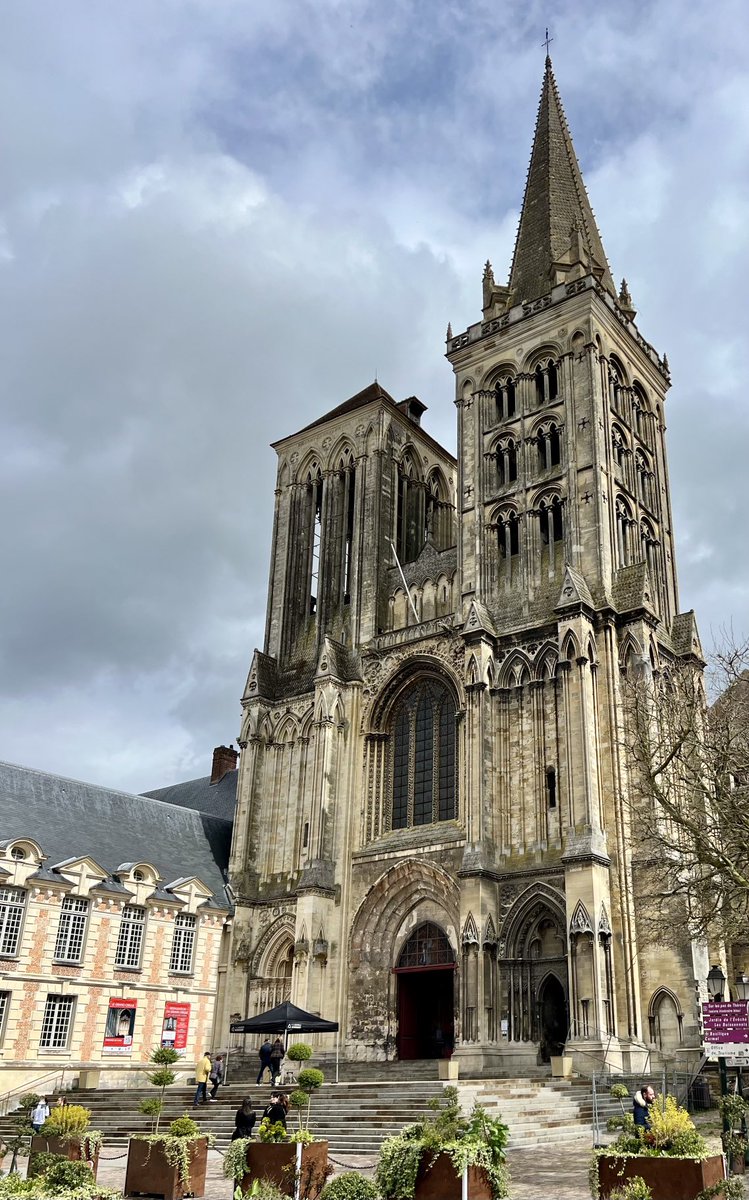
[51, 1082]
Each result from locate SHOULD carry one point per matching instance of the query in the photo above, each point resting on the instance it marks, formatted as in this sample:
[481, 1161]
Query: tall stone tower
[432, 835]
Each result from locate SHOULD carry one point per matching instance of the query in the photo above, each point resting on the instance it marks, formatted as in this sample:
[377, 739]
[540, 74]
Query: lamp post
[716, 982]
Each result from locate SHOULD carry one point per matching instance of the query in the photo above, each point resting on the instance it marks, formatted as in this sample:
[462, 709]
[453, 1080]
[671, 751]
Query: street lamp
[742, 987]
[715, 983]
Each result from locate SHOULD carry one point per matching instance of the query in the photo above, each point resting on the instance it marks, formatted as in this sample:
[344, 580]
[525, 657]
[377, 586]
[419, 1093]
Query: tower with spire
[432, 835]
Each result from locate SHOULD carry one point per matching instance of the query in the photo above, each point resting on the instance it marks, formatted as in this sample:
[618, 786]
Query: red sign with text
[118, 1032]
[176, 1025]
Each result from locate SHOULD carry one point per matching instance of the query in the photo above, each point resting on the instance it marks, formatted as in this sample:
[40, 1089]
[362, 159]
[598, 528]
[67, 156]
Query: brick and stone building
[114, 924]
[431, 842]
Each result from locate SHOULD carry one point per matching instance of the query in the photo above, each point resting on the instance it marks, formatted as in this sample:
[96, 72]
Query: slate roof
[555, 200]
[71, 819]
[215, 799]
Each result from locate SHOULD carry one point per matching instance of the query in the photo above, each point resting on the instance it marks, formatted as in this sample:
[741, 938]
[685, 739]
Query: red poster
[118, 1032]
[176, 1025]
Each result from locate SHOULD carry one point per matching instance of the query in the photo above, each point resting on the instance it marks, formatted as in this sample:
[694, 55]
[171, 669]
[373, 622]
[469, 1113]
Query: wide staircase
[356, 1117]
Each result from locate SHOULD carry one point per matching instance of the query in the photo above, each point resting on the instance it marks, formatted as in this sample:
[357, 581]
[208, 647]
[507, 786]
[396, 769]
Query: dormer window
[18, 853]
[138, 876]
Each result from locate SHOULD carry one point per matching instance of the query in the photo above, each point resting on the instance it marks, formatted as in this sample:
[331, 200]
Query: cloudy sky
[219, 219]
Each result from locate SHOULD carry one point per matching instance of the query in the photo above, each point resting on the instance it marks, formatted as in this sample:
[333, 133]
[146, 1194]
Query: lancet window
[619, 446]
[546, 382]
[410, 511]
[549, 447]
[508, 535]
[505, 398]
[624, 526]
[439, 512]
[506, 456]
[550, 521]
[314, 534]
[644, 479]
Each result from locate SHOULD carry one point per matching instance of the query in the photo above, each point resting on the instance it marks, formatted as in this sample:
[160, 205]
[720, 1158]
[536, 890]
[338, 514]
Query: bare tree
[689, 794]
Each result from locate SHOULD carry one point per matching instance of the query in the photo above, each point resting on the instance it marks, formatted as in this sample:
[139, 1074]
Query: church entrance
[426, 994]
[552, 1007]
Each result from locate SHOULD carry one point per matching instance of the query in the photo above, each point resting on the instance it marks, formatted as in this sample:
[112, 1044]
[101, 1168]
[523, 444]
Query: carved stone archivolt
[389, 901]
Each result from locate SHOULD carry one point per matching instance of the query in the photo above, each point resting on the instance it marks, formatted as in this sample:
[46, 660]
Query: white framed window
[71, 930]
[12, 908]
[57, 1022]
[130, 939]
[183, 944]
[4, 1006]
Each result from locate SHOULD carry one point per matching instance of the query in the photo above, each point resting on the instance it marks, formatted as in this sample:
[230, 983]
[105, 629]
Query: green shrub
[634, 1189]
[350, 1186]
[184, 1127]
[310, 1079]
[66, 1120]
[29, 1101]
[299, 1052]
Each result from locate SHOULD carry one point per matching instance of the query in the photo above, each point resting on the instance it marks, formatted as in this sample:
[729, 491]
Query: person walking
[265, 1052]
[216, 1077]
[244, 1120]
[641, 1106]
[40, 1114]
[276, 1058]
[202, 1074]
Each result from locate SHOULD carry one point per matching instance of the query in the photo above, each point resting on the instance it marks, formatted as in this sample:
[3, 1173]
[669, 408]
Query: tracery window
[314, 534]
[428, 946]
[345, 505]
[616, 386]
[619, 445]
[439, 512]
[644, 479]
[423, 756]
[505, 398]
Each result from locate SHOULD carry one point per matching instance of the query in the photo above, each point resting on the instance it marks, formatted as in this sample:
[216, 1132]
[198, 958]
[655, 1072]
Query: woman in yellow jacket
[202, 1074]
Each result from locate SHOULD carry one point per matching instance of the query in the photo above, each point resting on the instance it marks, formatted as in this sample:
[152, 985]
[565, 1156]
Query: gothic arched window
[549, 445]
[410, 511]
[624, 526]
[644, 479]
[619, 445]
[504, 395]
[439, 512]
[551, 525]
[428, 946]
[423, 756]
[507, 462]
[508, 535]
[314, 533]
[547, 382]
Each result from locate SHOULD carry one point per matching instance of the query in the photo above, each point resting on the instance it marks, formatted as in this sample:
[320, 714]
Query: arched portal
[426, 994]
[552, 1017]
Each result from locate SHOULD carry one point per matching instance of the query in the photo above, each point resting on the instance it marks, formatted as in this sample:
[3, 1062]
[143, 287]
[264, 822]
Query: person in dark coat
[277, 1109]
[265, 1053]
[216, 1077]
[244, 1120]
[641, 1106]
[276, 1058]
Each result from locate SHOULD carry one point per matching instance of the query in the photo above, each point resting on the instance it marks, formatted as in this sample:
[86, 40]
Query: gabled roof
[372, 392]
[556, 221]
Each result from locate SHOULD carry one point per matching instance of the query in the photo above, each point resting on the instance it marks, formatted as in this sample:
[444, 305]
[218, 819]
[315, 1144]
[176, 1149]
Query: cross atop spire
[554, 204]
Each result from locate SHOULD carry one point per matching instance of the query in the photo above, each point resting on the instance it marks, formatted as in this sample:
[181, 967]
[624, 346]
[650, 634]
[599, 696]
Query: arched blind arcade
[423, 756]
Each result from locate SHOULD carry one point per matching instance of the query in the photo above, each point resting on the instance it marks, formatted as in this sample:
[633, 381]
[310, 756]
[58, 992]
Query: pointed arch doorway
[552, 1017]
[426, 994]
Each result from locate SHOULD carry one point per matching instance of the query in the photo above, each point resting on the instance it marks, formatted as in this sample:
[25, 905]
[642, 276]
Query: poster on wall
[118, 1032]
[176, 1025]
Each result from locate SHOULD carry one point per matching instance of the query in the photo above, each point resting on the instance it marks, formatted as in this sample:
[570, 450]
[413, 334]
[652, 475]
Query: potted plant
[670, 1157]
[59, 1179]
[429, 1159]
[733, 1110]
[170, 1164]
[66, 1133]
[18, 1142]
[350, 1185]
[289, 1160]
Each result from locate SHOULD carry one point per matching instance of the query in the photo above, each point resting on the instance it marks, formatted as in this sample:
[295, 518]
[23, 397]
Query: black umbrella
[284, 1017]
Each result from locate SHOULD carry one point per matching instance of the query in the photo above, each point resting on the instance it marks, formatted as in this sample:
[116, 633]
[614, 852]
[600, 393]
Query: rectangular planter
[74, 1150]
[276, 1161]
[149, 1174]
[668, 1178]
[438, 1181]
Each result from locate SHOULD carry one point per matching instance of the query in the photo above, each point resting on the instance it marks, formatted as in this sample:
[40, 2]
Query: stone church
[431, 839]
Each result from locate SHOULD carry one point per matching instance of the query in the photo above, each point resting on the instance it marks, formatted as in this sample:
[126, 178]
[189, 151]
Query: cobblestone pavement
[559, 1173]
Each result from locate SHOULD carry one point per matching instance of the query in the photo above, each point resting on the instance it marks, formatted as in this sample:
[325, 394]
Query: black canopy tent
[286, 1018]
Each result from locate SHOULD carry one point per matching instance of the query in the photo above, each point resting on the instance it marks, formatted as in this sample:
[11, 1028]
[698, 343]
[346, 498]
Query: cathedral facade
[432, 835]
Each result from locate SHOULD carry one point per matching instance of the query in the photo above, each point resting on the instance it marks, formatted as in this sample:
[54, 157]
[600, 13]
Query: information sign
[725, 1022]
[176, 1025]
[118, 1033]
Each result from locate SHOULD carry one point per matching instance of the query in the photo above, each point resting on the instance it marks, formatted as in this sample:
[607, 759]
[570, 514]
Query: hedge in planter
[275, 1160]
[60, 1179]
[66, 1134]
[670, 1157]
[428, 1159]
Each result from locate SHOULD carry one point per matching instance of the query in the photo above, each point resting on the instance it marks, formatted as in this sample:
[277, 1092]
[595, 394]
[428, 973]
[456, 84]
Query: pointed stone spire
[625, 302]
[555, 202]
[449, 334]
